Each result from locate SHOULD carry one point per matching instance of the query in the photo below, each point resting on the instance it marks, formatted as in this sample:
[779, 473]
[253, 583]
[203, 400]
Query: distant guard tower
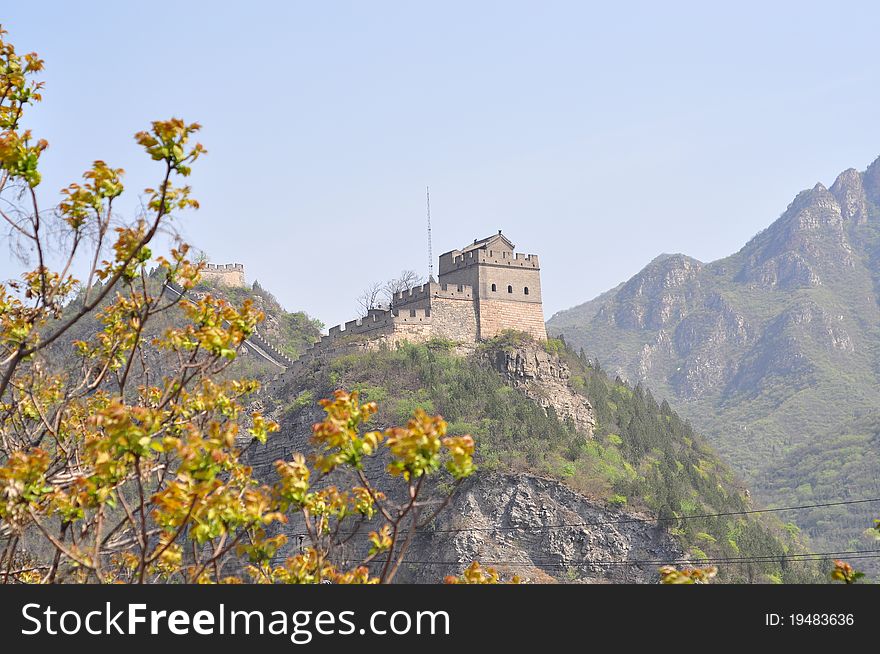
[224, 274]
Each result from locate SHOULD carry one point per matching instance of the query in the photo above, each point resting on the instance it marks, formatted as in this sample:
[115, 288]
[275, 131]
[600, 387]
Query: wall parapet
[407, 316]
[226, 274]
[456, 260]
[432, 289]
[260, 341]
[376, 322]
[463, 312]
[224, 267]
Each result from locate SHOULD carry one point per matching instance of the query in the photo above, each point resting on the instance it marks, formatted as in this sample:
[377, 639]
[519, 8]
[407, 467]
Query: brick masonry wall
[454, 319]
[518, 279]
[498, 315]
[414, 333]
[233, 278]
[368, 328]
[500, 309]
[466, 276]
[385, 334]
[419, 303]
[462, 308]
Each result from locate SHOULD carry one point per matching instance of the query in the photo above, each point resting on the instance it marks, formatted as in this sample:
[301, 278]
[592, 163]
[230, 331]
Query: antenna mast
[430, 249]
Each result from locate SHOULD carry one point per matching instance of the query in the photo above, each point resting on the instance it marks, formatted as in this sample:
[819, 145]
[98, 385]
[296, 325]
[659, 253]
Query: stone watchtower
[483, 289]
[506, 285]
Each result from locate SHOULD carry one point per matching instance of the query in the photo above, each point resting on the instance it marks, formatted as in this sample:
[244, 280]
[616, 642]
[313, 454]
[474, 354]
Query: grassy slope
[291, 332]
[643, 455]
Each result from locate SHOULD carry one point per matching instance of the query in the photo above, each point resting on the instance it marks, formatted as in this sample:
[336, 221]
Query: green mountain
[291, 332]
[771, 352]
[558, 441]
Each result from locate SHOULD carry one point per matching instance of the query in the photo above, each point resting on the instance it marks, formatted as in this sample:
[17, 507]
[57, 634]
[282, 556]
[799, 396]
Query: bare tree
[369, 298]
[379, 293]
[407, 279]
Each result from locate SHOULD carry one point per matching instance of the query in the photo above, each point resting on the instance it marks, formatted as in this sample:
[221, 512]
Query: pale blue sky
[596, 135]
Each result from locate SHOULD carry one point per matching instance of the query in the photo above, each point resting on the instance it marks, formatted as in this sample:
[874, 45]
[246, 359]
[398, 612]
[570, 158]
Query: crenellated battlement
[225, 274]
[257, 339]
[379, 325]
[433, 289]
[483, 290]
[378, 319]
[222, 267]
[457, 259]
[412, 316]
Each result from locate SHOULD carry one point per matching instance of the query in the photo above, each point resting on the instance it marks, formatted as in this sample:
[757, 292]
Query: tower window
[510, 289]
[494, 288]
[526, 290]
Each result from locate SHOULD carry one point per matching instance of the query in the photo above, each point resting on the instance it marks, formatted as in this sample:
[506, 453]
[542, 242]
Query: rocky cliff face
[518, 523]
[766, 350]
[541, 530]
[808, 243]
[544, 378]
[804, 288]
[658, 295]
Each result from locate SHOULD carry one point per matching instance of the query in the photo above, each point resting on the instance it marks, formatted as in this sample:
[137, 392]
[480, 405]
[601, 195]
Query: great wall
[224, 274]
[483, 289]
[255, 343]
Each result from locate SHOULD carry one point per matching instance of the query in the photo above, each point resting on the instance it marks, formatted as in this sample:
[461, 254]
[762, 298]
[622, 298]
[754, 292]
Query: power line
[624, 564]
[805, 556]
[600, 523]
[789, 558]
[766, 558]
[653, 520]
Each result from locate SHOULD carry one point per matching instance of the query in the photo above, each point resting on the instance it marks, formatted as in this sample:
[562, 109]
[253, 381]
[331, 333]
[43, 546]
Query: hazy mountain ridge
[768, 351]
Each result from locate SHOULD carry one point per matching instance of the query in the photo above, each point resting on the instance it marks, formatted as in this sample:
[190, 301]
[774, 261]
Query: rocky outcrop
[849, 192]
[806, 244]
[544, 378]
[871, 181]
[659, 294]
[518, 523]
[784, 349]
[542, 531]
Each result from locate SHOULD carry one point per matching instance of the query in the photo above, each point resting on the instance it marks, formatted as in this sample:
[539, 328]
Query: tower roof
[490, 243]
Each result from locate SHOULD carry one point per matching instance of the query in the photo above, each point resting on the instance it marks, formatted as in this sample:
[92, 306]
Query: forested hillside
[291, 332]
[642, 456]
